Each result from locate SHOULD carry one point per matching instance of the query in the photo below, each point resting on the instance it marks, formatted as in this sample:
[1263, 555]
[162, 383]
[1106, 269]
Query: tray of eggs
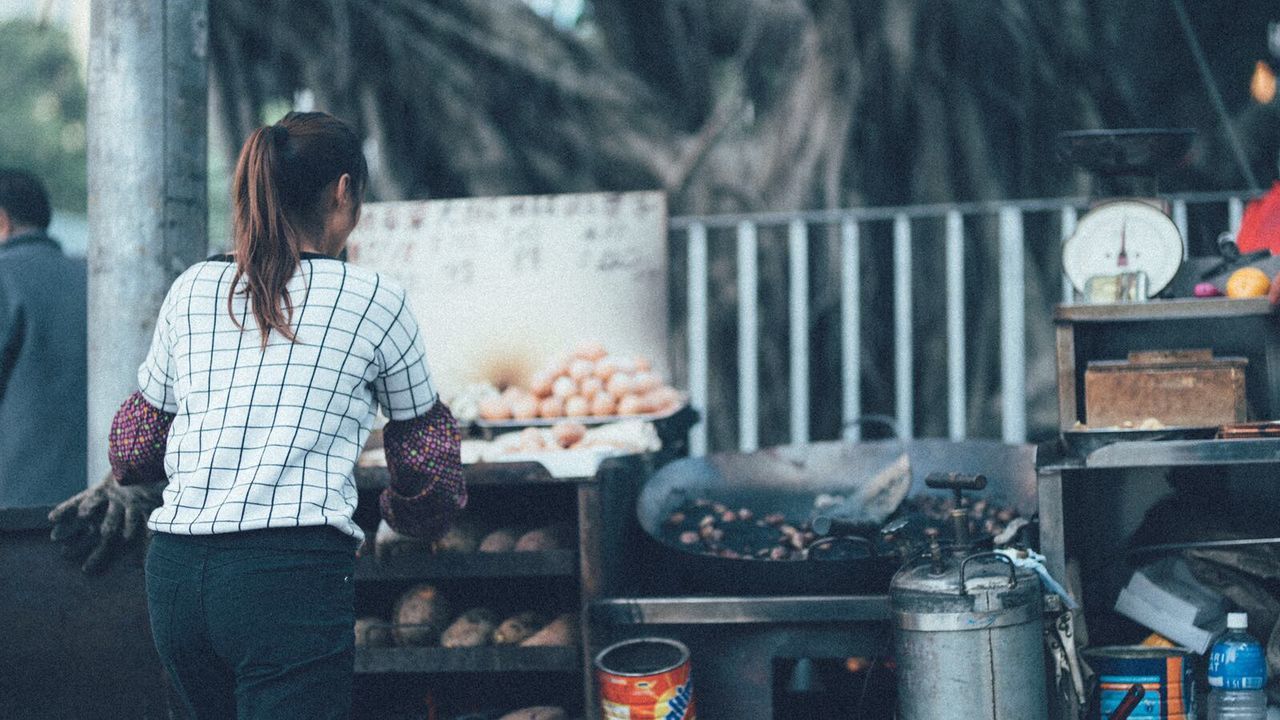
[590, 386]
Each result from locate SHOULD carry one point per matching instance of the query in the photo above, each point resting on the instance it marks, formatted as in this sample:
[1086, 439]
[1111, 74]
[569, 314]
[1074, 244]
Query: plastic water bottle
[1237, 674]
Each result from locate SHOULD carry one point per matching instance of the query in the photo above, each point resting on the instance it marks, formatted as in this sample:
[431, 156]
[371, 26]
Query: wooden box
[1177, 388]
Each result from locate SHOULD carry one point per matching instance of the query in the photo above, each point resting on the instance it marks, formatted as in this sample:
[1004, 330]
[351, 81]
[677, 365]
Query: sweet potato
[473, 628]
[519, 627]
[561, 632]
[502, 540]
[372, 632]
[462, 536]
[420, 614]
[551, 537]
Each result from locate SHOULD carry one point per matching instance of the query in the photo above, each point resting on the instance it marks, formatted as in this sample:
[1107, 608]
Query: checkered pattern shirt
[266, 438]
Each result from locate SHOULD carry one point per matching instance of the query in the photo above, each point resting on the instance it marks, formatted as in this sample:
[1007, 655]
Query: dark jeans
[256, 624]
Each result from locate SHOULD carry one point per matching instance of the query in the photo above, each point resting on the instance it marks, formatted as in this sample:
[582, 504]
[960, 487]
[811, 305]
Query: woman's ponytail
[278, 204]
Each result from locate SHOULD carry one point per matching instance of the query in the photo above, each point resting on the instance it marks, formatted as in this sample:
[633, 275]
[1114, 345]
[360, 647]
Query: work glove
[388, 544]
[95, 524]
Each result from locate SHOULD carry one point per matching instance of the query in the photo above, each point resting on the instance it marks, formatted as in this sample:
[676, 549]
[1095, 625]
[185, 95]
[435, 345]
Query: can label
[658, 695]
[1164, 674]
[639, 702]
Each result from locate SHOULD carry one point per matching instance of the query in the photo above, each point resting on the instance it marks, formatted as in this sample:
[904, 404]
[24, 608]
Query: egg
[556, 366]
[524, 407]
[589, 350]
[576, 406]
[631, 405]
[568, 434]
[531, 440]
[494, 408]
[541, 384]
[619, 385]
[581, 369]
[563, 387]
[551, 407]
[606, 367]
[645, 381]
[603, 404]
[588, 387]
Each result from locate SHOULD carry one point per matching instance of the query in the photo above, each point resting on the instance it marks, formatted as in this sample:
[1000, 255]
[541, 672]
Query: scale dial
[1123, 236]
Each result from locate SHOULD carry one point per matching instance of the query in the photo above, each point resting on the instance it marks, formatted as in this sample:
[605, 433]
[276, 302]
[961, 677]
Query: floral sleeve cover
[424, 459]
[137, 442]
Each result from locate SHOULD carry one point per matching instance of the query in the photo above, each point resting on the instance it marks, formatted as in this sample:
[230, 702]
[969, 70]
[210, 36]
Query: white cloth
[269, 438]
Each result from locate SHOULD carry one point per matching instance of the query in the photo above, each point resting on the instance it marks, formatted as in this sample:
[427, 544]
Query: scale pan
[1134, 151]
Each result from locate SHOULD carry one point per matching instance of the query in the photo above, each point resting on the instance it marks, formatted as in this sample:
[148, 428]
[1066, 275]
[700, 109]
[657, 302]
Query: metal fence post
[698, 319]
[1013, 296]
[798, 257]
[903, 351]
[748, 339]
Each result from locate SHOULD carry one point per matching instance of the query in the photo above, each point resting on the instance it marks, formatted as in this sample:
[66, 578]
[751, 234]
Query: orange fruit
[1248, 282]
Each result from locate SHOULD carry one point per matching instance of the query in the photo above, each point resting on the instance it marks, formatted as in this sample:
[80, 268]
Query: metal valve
[957, 483]
[935, 551]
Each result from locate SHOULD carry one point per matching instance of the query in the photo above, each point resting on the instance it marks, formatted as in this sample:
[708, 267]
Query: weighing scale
[1126, 248]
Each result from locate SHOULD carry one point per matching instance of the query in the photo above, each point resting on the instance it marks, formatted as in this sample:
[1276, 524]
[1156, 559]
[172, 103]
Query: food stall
[589, 527]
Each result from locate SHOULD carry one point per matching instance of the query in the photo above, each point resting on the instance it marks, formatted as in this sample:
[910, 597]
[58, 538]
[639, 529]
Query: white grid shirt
[269, 438]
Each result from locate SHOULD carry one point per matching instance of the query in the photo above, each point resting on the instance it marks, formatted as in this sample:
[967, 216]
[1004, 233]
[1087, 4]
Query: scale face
[1123, 236]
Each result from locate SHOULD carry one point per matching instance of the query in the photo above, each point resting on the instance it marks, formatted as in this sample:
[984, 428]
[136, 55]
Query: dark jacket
[42, 372]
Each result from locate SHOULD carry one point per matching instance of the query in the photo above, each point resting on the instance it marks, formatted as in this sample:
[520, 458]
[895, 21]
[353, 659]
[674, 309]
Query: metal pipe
[748, 338]
[147, 123]
[1068, 219]
[698, 279]
[1180, 220]
[904, 370]
[956, 411]
[798, 255]
[1235, 214]
[851, 329]
[1204, 545]
[933, 210]
[1013, 298]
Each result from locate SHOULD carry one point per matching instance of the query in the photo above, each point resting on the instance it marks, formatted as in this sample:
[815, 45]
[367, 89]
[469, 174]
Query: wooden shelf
[550, 563]
[1175, 309]
[421, 660]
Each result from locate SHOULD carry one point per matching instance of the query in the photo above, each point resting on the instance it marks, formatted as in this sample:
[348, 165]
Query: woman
[255, 400]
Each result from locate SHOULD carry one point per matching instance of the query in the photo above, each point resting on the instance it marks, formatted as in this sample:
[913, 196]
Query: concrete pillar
[147, 153]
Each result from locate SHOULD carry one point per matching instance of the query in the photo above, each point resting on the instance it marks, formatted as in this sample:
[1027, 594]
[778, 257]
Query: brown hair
[279, 204]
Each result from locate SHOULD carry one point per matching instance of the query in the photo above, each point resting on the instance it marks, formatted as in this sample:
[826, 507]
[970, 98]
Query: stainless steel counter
[741, 610]
[1164, 453]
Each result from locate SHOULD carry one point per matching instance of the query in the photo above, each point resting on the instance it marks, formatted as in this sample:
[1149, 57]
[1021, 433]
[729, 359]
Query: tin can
[1164, 673]
[645, 679]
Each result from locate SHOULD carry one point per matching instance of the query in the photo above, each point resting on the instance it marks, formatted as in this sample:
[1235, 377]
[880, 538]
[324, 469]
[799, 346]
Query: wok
[788, 480]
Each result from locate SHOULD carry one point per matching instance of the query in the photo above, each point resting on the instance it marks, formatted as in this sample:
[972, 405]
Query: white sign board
[502, 286]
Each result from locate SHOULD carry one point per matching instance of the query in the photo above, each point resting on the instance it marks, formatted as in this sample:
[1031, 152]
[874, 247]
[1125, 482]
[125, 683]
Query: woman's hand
[96, 523]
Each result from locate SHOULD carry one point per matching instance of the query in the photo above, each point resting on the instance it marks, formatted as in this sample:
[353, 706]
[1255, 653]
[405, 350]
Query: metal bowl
[1133, 151]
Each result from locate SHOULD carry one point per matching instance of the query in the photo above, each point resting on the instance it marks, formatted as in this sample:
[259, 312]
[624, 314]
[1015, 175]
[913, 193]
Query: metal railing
[847, 228]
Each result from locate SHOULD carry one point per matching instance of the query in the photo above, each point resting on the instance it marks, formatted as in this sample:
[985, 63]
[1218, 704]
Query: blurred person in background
[42, 352]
